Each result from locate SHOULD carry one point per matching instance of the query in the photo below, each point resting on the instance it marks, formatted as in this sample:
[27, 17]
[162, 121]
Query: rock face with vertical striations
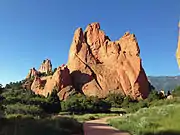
[99, 66]
[178, 48]
[96, 66]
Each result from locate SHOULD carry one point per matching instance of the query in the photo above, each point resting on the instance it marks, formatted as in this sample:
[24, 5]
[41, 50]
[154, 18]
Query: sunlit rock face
[32, 72]
[178, 48]
[99, 66]
[46, 66]
[96, 66]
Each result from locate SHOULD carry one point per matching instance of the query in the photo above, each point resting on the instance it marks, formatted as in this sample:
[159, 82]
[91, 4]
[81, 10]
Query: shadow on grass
[31, 126]
[164, 133]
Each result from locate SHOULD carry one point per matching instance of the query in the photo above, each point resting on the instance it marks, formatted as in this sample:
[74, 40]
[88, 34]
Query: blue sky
[33, 30]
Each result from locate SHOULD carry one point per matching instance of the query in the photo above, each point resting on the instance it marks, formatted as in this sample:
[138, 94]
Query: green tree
[115, 99]
[54, 105]
[79, 103]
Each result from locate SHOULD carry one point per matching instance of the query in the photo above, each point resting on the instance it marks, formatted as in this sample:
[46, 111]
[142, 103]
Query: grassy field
[85, 117]
[31, 126]
[157, 120]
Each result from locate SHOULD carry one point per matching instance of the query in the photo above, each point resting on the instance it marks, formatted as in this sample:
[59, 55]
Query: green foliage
[1, 86]
[151, 120]
[14, 85]
[42, 74]
[80, 104]
[91, 116]
[23, 109]
[19, 101]
[54, 105]
[21, 125]
[153, 95]
[54, 70]
[176, 92]
[115, 99]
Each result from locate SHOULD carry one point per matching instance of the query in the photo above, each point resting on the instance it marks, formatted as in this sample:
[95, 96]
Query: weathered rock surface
[32, 72]
[178, 48]
[96, 66]
[99, 66]
[46, 67]
[60, 81]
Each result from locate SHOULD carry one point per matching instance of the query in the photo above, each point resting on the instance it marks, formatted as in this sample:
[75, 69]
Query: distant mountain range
[164, 82]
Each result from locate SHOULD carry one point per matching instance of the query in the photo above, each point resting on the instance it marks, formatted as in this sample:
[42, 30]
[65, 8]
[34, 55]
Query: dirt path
[100, 127]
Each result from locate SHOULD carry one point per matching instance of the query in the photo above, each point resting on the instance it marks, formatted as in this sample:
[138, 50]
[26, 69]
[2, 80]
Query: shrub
[23, 109]
[80, 104]
[153, 95]
[27, 98]
[126, 101]
[27, 125]
[115, 99]
[176, 92]
[53, 103]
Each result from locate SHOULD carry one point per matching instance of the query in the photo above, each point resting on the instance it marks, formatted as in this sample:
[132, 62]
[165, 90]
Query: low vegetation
[22, 112]
[80, 104]
[154, 116]
[160, 120]
[20, 108]
[25, 125]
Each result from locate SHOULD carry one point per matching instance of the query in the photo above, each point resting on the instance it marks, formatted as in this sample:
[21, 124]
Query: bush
[153, 95]
[23, 99]
[23, 109]
[80, 104]
[115, 99]
[14, 85]
[53, 105]
[29, 126]
[176, 92]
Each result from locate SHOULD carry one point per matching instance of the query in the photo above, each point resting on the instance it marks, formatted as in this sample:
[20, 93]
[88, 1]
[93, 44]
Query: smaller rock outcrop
[60, 81]
[46, 67]
[32, 72]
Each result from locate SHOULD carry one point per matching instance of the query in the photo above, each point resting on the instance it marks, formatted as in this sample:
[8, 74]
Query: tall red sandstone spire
[178, 48]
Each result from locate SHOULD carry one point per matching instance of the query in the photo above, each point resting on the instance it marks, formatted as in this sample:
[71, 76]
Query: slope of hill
[164, 82]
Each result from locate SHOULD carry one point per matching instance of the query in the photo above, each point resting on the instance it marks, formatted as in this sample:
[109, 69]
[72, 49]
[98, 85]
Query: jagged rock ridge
[98, 66]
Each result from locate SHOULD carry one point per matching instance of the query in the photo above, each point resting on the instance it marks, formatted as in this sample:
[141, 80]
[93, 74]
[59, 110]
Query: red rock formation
[60, 81]
[32, 72]
[46, 67]
[99, 66]
[178, 48]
